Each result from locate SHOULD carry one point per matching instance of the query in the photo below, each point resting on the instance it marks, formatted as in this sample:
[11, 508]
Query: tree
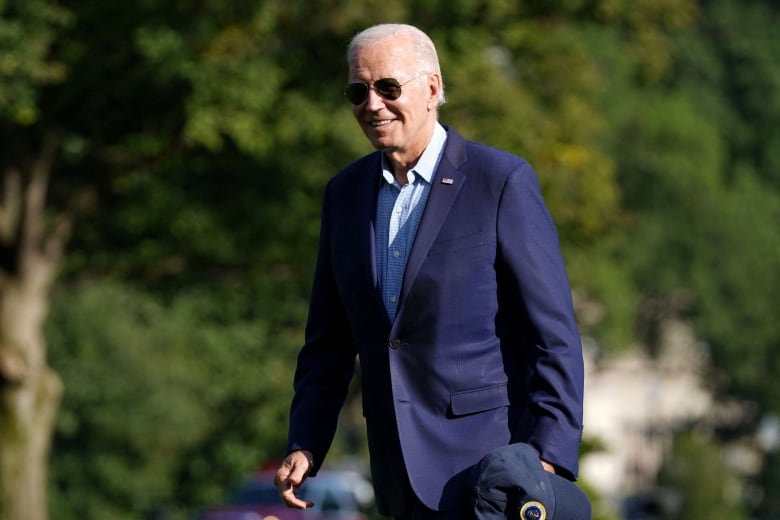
[116, 119]
[31, 249]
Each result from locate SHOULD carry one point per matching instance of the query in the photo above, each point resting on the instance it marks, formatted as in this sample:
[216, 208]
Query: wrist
[310, 459]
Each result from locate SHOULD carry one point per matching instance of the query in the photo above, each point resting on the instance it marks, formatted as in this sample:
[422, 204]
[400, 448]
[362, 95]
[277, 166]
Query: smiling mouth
[380, 123]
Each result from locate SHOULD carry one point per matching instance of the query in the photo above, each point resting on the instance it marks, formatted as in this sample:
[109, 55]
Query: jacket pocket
[479, 400]
[448, 245]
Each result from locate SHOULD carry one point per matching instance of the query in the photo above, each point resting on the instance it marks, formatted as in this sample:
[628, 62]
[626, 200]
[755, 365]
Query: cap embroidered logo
[533, 510]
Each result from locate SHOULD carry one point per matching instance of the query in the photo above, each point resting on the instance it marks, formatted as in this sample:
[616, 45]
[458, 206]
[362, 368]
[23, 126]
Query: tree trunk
[30, 391]
[29, 397]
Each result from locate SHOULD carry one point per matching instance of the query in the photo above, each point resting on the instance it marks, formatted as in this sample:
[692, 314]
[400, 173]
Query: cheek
[415, 111]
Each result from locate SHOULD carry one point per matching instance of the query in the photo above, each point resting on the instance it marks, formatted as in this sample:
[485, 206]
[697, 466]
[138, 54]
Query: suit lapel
[365, 216]
[445, 186]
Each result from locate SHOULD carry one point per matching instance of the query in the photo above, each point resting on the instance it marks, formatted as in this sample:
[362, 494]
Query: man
[439, 267]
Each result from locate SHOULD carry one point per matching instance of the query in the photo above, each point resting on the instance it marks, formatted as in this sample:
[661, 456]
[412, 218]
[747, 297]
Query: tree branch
[11, 207]
[60, 231]
[32, 229]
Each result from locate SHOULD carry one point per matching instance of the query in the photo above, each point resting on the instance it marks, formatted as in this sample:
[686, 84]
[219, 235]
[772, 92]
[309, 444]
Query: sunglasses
[388, 88]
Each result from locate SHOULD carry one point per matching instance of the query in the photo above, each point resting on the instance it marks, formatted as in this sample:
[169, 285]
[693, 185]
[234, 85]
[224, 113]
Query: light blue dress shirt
[398, 213]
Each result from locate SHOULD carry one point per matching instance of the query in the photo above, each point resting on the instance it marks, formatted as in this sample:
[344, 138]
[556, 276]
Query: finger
[298, 471]
[288, 493]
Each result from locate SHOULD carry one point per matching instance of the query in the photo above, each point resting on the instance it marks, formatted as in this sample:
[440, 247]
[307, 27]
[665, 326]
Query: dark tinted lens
[356, 93]
[388, 88]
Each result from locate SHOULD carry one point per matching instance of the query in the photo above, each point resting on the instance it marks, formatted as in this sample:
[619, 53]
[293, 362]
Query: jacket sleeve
[326, 362]
[534, 284]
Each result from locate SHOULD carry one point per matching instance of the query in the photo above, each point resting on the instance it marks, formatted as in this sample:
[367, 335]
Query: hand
[548, 467]
[290, 475]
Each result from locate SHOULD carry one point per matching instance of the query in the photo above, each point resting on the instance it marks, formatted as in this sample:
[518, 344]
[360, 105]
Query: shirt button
[394, 299]
[396, 254]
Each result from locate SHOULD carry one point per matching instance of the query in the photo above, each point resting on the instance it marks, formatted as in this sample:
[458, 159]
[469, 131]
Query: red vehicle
[337, 495]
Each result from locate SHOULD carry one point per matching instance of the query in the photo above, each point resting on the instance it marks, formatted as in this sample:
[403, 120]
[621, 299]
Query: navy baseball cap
[510, 483]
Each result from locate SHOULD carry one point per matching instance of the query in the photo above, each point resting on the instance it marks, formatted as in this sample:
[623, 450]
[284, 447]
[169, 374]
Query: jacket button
[394, 343]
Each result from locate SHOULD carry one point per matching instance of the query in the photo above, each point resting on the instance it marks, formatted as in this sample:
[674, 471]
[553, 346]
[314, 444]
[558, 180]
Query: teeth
[380, 123]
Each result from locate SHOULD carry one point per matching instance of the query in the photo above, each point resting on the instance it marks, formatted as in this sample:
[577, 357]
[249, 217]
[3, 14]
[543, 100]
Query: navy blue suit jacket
[484, 350]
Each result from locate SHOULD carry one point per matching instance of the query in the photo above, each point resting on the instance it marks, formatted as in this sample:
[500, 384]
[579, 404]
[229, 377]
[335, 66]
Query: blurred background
[162, 165]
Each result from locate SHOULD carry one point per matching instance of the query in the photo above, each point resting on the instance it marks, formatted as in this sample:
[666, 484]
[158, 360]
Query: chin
[381, 144]
[379, 138]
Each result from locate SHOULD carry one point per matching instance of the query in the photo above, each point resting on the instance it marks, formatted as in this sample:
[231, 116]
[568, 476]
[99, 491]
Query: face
[402, 127]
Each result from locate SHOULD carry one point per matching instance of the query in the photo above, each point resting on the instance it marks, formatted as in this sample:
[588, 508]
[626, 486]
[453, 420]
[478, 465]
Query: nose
[374, 101]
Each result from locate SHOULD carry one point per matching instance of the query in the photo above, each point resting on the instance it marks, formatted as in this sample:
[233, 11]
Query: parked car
[337, 495]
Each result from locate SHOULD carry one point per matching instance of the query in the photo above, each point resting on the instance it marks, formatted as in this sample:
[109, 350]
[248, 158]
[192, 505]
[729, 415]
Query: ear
[434, 90]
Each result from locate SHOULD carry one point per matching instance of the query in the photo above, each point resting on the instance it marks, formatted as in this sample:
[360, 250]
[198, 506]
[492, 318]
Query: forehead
[389, 57]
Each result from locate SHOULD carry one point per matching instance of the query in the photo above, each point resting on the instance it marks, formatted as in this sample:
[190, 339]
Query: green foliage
[702, 198]
[735, 276]
[557, 127]
[28, 29]
[701, 483]
[744, 39]
[162, 404]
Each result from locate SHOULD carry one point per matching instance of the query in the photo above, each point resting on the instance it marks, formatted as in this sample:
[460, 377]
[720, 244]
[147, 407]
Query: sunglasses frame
[394, 85]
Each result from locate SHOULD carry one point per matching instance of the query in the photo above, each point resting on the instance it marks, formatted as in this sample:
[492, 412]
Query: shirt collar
[426, 165]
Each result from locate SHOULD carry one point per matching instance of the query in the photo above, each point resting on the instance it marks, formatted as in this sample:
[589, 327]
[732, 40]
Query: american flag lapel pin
[447, 180]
